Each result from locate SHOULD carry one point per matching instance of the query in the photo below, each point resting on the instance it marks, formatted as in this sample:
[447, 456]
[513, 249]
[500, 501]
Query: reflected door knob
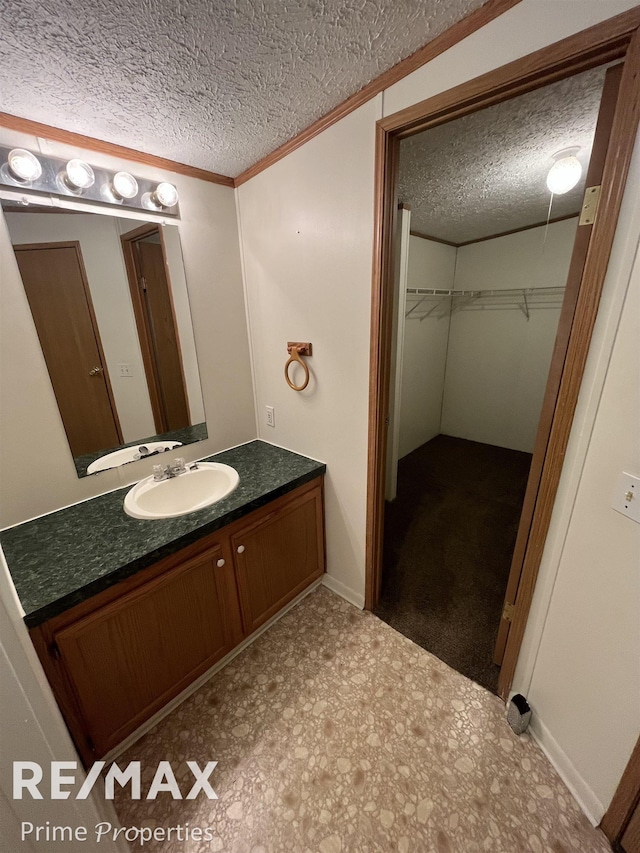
[220, 564]
[240, 549]
[95, 371]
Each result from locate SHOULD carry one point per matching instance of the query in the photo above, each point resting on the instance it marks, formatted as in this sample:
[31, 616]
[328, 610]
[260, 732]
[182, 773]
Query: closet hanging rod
[421, 300]
[529, 291]
[428, 291]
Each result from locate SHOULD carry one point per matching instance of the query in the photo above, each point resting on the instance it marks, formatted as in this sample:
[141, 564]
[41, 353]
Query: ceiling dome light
[23, 165]
[565, 173]
[79, 175]
[124, 185]
[166, 195]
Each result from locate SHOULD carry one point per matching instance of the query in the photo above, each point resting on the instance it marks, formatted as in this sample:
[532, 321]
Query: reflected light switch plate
[627, 496]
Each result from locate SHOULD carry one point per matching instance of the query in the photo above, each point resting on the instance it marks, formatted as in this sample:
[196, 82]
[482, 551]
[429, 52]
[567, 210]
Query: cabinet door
[278, 556]
[127, 659]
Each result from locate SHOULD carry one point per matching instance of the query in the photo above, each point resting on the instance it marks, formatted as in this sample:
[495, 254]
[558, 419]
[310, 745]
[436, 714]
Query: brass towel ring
[296, 351]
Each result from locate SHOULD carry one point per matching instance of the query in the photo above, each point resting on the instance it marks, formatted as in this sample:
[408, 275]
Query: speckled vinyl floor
[335, 733]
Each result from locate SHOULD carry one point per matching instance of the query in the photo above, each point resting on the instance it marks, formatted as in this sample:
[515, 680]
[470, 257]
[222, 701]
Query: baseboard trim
[199, 682]
[344, 591]
[582, 793]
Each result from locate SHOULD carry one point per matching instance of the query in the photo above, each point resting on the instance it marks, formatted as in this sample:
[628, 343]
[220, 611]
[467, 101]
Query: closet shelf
[423, 302]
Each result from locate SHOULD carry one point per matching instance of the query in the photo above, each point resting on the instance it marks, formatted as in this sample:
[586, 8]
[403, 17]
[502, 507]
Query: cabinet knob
[220, 563]
[240, 549]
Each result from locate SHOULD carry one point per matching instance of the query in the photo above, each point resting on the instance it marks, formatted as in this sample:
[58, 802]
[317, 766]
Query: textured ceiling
[211, 83]
[486, 173]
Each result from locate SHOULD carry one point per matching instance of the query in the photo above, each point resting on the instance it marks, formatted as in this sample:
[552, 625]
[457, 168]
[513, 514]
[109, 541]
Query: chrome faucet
[173, 469]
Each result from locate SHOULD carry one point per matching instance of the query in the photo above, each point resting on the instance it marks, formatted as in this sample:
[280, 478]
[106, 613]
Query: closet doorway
[485, 293]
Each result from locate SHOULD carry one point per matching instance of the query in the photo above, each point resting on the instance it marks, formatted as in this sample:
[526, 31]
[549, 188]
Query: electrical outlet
[125, 369]
[627, 496]
[271, 416]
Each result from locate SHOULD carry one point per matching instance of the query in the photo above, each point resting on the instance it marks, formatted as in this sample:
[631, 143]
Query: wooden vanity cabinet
[277, 555]
[119, 657]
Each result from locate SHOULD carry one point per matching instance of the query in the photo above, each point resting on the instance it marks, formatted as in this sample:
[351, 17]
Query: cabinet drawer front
[127, 659]
[278, 557]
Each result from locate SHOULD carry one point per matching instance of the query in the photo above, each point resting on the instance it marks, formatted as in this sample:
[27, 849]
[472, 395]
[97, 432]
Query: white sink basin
[130, 454]
[195, 489]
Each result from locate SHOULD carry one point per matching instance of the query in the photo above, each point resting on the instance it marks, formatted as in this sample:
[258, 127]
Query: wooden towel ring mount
[296, 350]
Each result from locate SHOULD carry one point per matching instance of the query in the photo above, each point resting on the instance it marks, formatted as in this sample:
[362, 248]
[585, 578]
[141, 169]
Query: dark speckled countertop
[64, 558]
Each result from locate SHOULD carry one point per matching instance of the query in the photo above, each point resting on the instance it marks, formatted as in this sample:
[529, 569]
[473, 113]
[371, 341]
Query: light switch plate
[627, 496]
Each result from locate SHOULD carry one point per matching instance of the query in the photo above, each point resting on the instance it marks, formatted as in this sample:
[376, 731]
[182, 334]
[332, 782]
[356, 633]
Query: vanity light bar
[36, 172]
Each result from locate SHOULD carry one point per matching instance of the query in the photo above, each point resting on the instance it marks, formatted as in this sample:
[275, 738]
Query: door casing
[625, 805]
[615, 39]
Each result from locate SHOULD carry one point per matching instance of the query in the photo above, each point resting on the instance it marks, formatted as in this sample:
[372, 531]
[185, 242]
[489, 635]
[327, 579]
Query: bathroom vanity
[125, 613]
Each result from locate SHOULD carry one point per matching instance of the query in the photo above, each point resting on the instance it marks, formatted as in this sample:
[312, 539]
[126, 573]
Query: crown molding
[68, 137]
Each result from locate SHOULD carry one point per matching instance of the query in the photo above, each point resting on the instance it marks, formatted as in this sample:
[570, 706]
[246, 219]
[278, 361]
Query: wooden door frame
[75, 245]
[625, 800]
[606, 113]
[615, 39]
[127, 240]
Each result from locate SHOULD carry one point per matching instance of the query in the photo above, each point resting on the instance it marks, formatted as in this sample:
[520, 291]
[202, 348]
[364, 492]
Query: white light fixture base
[566, 171]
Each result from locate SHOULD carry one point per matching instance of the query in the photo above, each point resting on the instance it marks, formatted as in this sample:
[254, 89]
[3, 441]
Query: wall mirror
[109, 301]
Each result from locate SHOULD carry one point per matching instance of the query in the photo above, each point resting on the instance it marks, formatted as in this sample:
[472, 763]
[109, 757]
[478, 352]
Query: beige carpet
[335, 733]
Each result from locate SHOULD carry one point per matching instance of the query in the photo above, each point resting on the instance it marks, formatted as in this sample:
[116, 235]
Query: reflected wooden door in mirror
[56, 286]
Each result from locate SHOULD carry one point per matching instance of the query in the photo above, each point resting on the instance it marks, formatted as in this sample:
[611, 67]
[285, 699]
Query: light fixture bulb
[124, 185]
[165, 194]
[565, 173]
[23, 165]
[79, 175]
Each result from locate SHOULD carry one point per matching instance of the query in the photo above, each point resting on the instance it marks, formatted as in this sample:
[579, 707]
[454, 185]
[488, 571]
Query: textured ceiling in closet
[485, 173]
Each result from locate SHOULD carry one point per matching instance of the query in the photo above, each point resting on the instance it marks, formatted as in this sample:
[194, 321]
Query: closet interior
[482, 253]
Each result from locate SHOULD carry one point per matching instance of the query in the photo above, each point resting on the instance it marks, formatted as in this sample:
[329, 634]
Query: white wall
[481, 375]
[37, 473]
[306, 228]
[431, 265]
[498, 360]
[307, 281]
[538, 257]
[106, 275]
[581, 684]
